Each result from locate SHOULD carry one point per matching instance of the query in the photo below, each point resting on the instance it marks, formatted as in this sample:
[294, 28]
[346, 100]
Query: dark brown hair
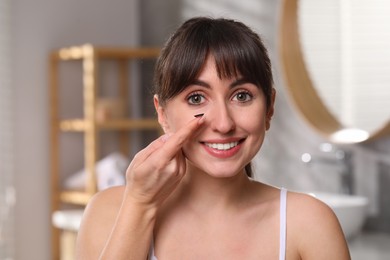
[237, 50]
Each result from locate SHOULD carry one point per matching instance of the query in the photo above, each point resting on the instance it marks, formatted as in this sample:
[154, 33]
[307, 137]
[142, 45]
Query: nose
[221, 119]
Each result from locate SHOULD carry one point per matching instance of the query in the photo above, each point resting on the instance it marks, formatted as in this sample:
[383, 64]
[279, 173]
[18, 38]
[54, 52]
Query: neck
[204, 192]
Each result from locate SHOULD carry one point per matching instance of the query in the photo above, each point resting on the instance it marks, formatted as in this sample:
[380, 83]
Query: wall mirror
[335, 57]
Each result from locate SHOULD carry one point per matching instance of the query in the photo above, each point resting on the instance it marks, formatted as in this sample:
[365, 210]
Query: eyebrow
[234, 84]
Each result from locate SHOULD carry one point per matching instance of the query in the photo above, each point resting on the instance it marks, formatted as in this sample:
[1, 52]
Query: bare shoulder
[316, 210]
[98, 218]
[111, 197]
[315, 228]
[104, 205]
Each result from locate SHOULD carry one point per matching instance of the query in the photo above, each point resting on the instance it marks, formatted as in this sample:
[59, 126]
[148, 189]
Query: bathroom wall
[155, 27]
[279, 162]
[372, 172]
[6, 136]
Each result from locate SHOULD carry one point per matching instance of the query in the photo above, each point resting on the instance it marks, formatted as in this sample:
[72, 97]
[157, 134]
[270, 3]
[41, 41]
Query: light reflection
[350, 135]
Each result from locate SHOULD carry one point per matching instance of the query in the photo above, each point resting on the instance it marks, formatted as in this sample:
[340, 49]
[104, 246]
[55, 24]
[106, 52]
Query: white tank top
[282, 228]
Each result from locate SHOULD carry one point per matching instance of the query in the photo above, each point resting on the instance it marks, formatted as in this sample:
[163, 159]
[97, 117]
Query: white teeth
[222, 147]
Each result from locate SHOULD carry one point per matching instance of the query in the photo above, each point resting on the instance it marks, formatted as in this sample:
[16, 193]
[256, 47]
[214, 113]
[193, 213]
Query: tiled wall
[372, 171]
[381, 221]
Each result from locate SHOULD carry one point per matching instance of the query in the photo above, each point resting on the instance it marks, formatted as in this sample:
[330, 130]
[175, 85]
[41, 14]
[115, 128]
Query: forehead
[208, 68]
[211, 68]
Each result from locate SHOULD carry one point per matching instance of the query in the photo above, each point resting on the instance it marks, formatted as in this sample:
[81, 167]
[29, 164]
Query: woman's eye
[243, 96]
[195, 99]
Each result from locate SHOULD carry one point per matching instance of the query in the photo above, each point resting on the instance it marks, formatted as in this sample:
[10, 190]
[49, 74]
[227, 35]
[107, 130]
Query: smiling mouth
[222, 146]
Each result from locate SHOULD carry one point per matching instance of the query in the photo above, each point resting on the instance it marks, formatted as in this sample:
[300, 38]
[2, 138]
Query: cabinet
[90, 123]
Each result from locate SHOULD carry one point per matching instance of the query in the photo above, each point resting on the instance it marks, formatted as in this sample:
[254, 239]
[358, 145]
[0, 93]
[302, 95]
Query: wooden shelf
[86, 50]
[76, 125]
[80, 125]
[91, 59]
[75, 197]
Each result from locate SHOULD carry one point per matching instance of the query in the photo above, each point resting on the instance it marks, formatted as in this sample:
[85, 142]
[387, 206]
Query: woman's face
[236, 119]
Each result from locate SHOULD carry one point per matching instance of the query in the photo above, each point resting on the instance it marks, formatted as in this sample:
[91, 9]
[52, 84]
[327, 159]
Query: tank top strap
[283, 227]
[151, 251]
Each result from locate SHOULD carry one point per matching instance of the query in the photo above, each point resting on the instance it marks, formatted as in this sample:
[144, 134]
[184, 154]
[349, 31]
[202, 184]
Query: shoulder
[98, 219]
[104, 204]
[110, 197]
[315, 228]
[299, 202]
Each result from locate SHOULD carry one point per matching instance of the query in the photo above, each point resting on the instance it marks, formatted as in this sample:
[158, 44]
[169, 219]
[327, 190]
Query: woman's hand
[156, 171]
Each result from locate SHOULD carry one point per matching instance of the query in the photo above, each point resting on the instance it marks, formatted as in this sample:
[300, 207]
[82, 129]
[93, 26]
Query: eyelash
[193, 95]
[249, 97]
[245, 92]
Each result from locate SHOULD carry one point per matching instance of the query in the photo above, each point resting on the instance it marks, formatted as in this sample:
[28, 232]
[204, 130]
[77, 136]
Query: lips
[223, 149]
[222, 146]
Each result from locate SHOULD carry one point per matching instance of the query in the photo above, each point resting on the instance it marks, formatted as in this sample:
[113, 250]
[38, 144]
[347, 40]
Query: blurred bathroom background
[294, 155]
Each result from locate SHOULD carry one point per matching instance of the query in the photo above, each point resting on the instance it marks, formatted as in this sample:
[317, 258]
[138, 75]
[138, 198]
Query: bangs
[233, 60]
[237, 50]
[234, 54]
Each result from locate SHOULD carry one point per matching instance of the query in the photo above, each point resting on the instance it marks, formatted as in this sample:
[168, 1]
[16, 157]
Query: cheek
[175, 120]
[252, 121]
[255, 127]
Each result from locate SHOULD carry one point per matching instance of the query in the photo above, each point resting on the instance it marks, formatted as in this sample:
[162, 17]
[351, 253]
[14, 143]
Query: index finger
[176, 141]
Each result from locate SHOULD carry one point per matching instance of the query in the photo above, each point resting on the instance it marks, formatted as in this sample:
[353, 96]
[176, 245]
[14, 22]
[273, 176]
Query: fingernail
[199, 115]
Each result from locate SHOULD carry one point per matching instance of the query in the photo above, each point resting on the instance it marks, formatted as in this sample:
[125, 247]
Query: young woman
[189, 194]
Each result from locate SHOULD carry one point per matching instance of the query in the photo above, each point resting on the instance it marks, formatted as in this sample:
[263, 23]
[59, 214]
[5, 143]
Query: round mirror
[336, 60]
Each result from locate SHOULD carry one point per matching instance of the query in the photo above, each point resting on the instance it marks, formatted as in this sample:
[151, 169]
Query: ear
[270, 111]
[160, 114]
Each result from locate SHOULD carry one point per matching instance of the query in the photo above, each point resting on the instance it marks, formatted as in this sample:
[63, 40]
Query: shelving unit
[89, 125]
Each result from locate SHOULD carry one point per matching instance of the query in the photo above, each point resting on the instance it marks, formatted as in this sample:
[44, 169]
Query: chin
[221, 170]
